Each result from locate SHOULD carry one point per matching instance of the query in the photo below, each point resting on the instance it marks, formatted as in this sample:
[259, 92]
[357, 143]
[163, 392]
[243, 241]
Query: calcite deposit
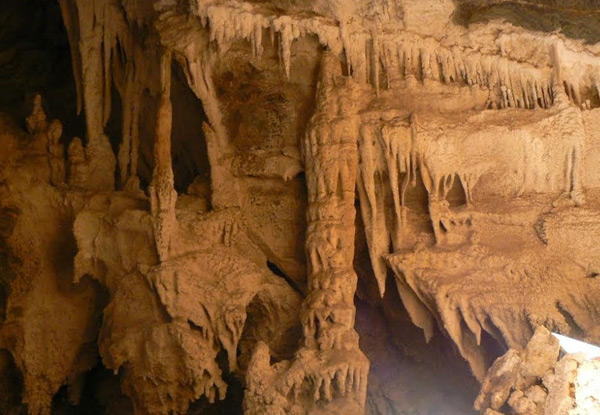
[269, 207]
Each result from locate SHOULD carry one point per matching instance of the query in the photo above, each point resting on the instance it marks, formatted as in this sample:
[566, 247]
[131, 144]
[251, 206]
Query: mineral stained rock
[298, 207]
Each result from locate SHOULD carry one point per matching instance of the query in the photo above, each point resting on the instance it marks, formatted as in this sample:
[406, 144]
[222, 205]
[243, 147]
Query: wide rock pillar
[329, 372]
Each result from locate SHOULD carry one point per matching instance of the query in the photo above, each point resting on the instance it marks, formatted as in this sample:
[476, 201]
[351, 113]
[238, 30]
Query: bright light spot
[573, 346]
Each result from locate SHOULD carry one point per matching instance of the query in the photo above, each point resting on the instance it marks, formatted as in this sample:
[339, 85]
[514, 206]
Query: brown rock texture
[536, 381]
[269, 207]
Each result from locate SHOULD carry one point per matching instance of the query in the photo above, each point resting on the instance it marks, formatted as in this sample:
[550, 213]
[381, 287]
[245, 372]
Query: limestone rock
[298, 207]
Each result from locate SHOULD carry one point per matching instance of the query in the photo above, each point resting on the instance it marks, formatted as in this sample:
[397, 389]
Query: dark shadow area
[188, 144]
[98, 392]
[232, 404]
[148, 111]
[11, 386]
[35, 58]
[577, 19]
[408, 375]
[456, 195]
[114, 127]
[492, 347]
[8, 218]
[416, 196]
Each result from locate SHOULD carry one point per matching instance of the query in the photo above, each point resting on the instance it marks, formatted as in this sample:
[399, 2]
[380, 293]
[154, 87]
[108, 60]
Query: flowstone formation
[298, 207]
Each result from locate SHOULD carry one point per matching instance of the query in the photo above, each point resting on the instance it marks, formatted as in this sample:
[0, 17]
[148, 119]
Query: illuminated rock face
[536, 381]
[294, 207]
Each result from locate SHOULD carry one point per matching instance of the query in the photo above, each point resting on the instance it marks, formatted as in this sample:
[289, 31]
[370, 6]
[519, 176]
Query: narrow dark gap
[188, 144]
[8, 218]
[442, 227]
[491, 347]
[3, 300]
[457, 195]
[148, 114]
[11, 385]
[114, 127]
[492, 350]
[576, 331]
[277, 271]
[339, 187]
[416, 197]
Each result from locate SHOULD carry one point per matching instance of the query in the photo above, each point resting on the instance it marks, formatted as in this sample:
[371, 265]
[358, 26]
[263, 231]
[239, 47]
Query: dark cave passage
[35, 58]
[188, 145]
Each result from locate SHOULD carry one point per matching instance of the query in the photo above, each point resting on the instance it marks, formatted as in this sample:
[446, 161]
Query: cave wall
[291, 207]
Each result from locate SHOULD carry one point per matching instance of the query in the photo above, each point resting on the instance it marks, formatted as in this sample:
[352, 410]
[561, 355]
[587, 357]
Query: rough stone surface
[539, 383]
[298, 207]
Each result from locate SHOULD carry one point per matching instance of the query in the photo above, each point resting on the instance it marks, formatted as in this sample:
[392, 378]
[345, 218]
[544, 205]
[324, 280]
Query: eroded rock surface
[536, 381]
[294, 207]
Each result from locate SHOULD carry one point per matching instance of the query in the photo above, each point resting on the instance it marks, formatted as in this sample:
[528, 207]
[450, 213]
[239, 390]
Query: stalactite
[371, 193]
[163, 196]
[93, 37]
[419, 58]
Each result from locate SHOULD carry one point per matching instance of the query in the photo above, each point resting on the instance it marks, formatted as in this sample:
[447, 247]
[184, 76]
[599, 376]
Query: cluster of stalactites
[385, 151]
[440, 151]
[240, 21]
[341, 379]
[392, 58]
[105, 53]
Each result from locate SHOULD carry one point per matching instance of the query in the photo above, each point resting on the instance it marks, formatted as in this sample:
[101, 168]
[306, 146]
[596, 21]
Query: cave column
[331, 161]
[163, 196]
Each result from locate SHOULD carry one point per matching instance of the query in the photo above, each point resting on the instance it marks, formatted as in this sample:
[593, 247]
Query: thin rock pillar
[162, 192]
